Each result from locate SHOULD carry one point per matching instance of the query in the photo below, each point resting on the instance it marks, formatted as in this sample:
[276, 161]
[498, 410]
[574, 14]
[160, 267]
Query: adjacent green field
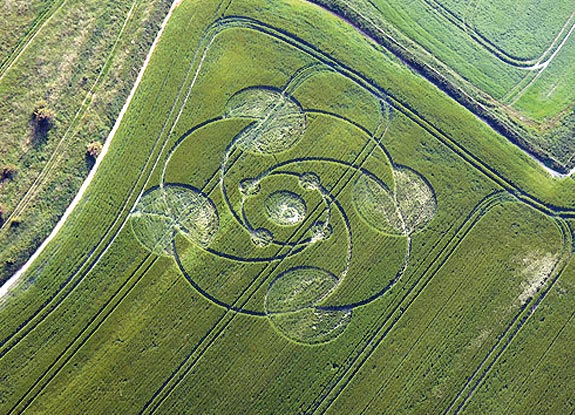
[509, 62]
[521, 30]
[319, 230]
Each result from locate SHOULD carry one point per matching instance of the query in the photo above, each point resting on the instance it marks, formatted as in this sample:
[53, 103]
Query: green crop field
[291, 218]
[508, 61]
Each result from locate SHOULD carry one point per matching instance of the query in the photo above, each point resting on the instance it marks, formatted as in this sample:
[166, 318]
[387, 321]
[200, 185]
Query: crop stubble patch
[285, 208]
[291, 304]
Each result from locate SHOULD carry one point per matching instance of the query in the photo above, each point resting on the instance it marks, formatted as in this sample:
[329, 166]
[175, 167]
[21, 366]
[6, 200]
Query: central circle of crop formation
[285, 208]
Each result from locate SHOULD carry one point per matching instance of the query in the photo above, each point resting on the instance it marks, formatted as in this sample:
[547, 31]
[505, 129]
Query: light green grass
[83, 65]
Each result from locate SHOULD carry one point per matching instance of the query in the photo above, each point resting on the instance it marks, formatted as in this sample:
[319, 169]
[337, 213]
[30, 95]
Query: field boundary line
[513, 328]
[388, 323]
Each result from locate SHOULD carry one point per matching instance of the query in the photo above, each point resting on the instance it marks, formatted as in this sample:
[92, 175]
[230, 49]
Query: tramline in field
[317, 231]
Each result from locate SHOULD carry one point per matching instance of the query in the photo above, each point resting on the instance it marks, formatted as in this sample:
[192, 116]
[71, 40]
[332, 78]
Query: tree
[42, 120]
[94, 149]
[15, 221]
[42, 113]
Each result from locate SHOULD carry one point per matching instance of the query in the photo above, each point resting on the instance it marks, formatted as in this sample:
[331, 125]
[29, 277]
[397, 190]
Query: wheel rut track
[384, 326]
[29, 36]
[421, 336]
[514, 399]
[548, 210]
[488, 45]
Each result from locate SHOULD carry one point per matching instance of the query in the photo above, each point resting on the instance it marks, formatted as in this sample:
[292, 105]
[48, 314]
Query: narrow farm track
[505, 339]
[519, 86]
[198, 351]
[384, 326]
[541, 69]
[470, 12]
[57, 154]
[228, 317]
[119, 222]
[542, 63]
[29, 37]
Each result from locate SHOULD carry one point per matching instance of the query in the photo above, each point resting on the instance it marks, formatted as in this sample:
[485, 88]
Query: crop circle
[285, 208]
[166, 210]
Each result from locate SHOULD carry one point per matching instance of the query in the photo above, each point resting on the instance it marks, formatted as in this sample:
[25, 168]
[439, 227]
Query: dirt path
[4, 289]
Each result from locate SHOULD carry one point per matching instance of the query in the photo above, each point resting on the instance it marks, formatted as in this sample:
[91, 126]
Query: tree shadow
[90, 161]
